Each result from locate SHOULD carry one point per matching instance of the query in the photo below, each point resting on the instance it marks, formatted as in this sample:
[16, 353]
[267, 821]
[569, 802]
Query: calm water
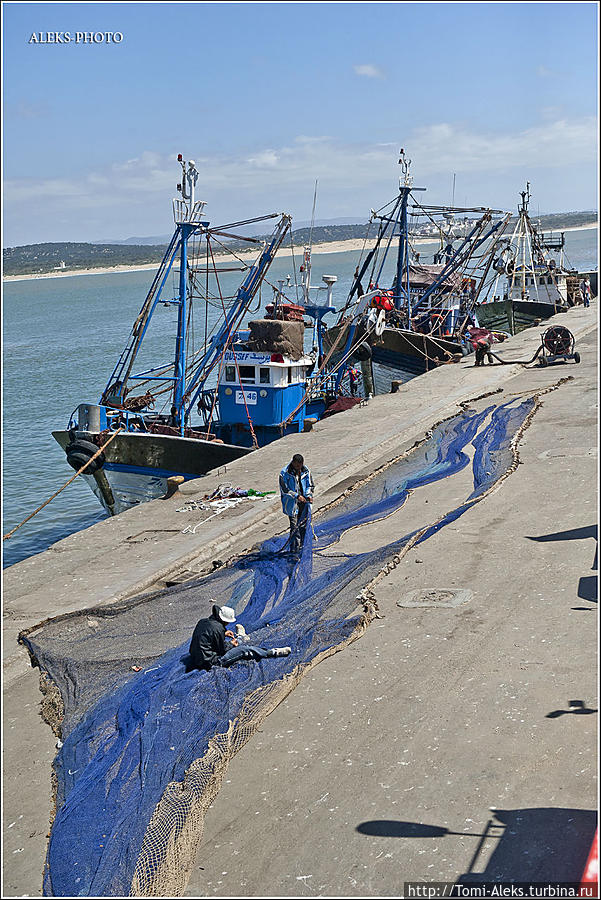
[62, 338]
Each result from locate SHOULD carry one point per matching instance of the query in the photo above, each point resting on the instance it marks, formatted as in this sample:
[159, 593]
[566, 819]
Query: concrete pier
[383, 765]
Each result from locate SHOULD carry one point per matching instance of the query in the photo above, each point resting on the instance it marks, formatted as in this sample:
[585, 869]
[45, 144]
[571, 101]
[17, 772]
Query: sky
[267, 98]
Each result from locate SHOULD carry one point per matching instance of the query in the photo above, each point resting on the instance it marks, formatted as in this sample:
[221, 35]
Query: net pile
[144, 754]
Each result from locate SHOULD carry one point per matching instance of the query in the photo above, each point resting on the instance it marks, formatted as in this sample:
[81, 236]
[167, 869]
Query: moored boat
[530, 284]
[420, 321]
[240, 386]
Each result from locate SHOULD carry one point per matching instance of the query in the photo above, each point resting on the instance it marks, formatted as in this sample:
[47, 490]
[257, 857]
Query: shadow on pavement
[532, 845]
[588, 585]
[575, 708]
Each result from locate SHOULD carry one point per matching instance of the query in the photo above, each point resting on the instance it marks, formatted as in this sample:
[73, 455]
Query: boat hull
[515, 315]
[137, 466]
[410, 351]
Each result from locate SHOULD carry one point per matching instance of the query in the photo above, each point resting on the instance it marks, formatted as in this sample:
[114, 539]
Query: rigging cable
[227, 343]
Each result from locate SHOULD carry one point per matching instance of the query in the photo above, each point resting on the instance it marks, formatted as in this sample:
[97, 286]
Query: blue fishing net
[129, 739]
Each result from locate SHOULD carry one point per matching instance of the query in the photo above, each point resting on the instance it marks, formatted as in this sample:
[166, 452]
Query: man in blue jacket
[296, 492]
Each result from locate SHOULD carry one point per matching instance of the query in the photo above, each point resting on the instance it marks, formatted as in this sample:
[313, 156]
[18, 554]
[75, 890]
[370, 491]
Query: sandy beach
[353, 245]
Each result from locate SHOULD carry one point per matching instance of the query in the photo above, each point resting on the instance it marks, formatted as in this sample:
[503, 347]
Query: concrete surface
[432, 717]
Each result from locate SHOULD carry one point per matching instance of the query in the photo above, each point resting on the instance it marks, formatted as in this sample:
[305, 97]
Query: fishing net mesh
[144, 754]
[178, 821]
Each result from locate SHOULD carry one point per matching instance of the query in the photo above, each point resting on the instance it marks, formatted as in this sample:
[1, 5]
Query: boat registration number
[251, 397]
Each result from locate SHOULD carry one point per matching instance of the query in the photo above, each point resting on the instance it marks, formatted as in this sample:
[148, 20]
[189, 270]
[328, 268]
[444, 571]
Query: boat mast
[403, 251]
[184, 219]
[402, 267]
[187, 214]
[523, 233]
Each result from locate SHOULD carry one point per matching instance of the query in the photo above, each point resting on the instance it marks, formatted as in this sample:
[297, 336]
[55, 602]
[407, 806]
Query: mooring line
[66, 484]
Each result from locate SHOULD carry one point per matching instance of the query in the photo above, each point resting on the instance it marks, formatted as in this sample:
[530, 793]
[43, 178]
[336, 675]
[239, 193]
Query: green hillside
[43, 258]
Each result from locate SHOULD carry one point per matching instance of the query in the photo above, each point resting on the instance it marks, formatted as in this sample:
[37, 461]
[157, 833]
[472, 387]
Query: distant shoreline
[350, 245]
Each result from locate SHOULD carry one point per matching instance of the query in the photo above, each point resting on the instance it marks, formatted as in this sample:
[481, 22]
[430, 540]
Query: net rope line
[66, 484]
[464, 404]
[366, 593]
[181, 831]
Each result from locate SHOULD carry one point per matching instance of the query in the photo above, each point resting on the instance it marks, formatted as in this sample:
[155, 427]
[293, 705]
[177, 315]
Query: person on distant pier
[353, 377]
[481, 340]
[296, 493]
[585, 292]
[209, 647]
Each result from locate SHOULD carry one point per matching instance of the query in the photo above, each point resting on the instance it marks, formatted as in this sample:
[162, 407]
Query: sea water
[62, 339]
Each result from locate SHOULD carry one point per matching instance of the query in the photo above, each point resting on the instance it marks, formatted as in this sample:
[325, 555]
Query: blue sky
[268, 97]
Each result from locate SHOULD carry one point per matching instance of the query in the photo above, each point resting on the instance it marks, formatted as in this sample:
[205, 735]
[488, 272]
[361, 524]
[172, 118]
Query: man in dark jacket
[208, 647]
[208, 641]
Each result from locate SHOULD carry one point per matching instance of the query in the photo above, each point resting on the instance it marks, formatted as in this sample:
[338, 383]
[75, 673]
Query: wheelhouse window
[247, 374]
[264, 375]
[230, 373]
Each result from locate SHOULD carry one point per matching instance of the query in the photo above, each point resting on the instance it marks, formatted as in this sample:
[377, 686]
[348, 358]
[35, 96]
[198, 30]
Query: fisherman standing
[353, 377]
[585, 292]
[296, 492]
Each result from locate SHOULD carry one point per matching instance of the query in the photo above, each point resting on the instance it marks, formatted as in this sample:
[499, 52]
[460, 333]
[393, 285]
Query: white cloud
[368, 70]
[266, 159]
[132, 196]
[447, 147]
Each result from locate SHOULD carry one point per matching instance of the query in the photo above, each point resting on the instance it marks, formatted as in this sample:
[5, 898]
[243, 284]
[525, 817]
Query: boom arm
[232, 320]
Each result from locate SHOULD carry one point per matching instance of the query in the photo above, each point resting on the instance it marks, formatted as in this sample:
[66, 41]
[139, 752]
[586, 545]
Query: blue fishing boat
[245, 384]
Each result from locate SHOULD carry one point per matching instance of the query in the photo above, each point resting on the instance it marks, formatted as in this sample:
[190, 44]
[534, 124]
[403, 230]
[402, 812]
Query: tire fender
[79, 452]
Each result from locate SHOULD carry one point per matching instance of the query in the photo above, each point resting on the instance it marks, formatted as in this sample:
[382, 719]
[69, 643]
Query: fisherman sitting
[296, 493]
[209, 648]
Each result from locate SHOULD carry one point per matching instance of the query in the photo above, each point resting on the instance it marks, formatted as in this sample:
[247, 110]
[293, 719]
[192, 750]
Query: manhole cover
[563, 453]
[435, 597]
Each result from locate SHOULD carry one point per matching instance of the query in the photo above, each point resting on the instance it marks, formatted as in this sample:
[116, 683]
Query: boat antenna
[189, 179]
[453, 195]
[313, 216]
[406, 180]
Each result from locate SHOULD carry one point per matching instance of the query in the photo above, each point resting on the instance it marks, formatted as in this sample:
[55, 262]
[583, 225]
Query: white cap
[227, 614]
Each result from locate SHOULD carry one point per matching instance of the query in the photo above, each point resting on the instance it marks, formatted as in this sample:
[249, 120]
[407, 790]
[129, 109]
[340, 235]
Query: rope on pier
[66, 484]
